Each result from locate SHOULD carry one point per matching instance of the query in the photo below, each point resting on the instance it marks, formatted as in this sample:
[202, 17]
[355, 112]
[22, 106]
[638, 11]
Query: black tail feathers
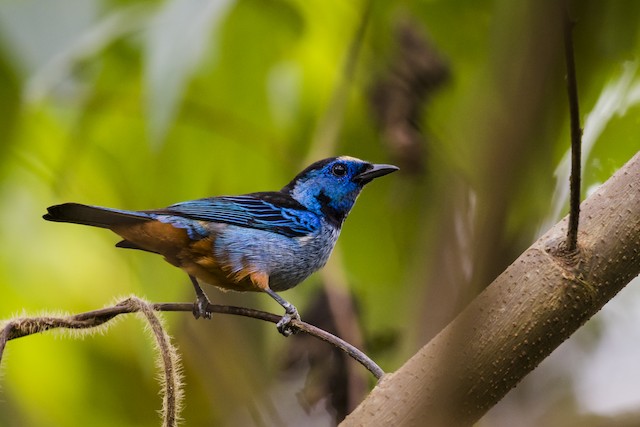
[95, 216]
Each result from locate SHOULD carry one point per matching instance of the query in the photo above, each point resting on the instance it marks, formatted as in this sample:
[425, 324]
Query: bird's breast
[286, 260]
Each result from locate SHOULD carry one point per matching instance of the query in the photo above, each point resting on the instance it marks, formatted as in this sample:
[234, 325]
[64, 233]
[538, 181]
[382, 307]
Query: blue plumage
[288, 218]
[268, 241]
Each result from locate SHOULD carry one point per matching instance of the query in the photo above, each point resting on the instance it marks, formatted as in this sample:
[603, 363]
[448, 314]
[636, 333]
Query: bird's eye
[339, 169]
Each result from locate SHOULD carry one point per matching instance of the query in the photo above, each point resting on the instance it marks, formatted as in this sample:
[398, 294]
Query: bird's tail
[95, 216]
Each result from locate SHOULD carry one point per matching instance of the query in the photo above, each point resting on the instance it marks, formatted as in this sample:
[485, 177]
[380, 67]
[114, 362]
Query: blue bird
[262, 242]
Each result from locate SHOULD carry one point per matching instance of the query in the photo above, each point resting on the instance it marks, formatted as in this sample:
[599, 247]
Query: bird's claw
[284, 325]
[201, 307]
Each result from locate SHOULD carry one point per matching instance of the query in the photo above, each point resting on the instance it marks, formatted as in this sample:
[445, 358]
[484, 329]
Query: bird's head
[330, 186]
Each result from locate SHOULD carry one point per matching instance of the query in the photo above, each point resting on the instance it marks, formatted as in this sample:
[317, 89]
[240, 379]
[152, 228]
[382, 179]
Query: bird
[262, 242]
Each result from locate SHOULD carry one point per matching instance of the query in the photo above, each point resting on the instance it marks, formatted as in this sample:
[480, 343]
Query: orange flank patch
[155, 236]
[194, 257]
[261, 280]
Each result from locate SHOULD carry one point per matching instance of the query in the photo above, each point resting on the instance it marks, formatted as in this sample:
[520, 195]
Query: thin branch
[21, 327]
[576, 135]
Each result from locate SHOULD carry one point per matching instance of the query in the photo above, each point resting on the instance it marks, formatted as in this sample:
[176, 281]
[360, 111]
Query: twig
[576, 135]
[21, 327]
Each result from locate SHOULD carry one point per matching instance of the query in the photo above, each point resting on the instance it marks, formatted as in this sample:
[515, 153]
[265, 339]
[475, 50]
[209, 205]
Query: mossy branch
[91, 321]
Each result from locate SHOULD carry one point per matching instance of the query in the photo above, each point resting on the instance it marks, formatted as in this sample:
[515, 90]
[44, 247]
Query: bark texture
[527, 312]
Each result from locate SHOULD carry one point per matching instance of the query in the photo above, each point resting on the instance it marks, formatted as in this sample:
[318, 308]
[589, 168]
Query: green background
[142, 104]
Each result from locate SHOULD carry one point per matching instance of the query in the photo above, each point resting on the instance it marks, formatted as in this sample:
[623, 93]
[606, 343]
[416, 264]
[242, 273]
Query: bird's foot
[201, 307]
[284, 325]
[290, 313]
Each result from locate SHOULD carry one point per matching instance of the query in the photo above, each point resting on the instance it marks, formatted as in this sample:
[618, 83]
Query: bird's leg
[201, 306]
[290, 313]
[261, 281]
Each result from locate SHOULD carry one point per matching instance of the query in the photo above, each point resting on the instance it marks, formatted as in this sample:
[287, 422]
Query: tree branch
[526, 313]
[20, 327]
[576, 135]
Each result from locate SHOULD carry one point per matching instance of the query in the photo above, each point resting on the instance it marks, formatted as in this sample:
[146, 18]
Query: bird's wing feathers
[275, 212]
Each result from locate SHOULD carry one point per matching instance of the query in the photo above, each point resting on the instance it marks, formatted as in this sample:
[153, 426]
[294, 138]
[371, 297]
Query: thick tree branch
[20, 327]
[526, 313]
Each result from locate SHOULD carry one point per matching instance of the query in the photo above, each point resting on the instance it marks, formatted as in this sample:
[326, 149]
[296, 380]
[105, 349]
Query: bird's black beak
[375, 171]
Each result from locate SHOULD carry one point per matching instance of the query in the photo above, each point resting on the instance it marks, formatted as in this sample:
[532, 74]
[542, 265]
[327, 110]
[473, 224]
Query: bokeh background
[140, 104]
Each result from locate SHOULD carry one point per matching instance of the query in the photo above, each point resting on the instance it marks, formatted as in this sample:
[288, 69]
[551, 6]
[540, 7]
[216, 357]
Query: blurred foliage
[142, 104]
